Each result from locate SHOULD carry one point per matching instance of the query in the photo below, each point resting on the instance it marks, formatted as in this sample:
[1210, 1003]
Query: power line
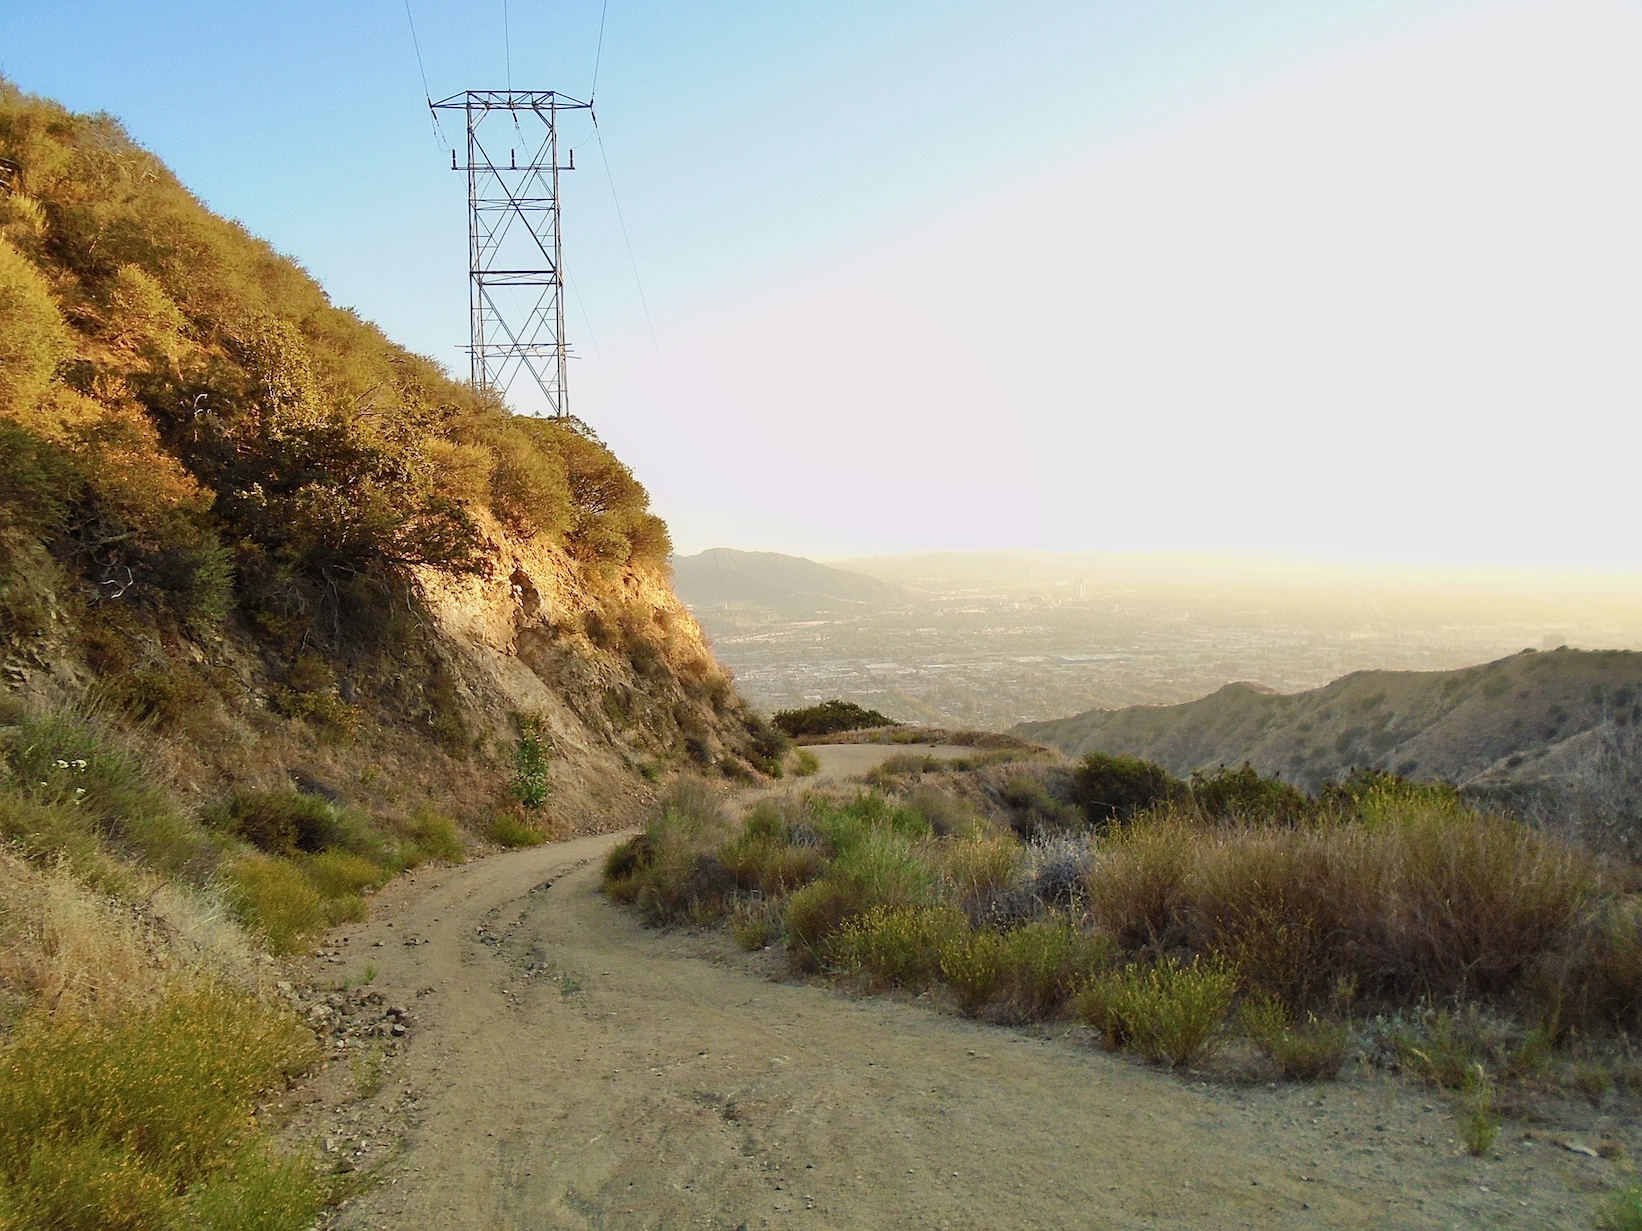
[507, 45]
[632, 260]
[598, 53]
[438, 132]
[588, 321]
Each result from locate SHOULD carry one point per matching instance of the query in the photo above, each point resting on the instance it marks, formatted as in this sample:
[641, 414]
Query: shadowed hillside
[790, 585]
[1552, 733]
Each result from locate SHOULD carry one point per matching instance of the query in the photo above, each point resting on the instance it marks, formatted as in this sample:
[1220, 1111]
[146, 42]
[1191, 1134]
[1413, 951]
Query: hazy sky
[1353, 279]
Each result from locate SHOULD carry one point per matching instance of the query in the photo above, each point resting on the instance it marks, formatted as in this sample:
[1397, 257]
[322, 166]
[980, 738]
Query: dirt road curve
[569, 1068]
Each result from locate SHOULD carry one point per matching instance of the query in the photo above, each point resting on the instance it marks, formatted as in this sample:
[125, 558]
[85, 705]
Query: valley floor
[567, 1067]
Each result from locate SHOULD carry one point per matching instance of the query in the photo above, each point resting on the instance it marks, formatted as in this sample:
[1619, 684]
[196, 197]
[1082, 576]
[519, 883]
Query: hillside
[790, 585]
[284, 612]
[1556, 733]
[241, 520]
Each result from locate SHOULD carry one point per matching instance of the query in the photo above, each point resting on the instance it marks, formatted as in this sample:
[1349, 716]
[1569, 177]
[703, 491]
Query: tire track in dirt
[572, 1069]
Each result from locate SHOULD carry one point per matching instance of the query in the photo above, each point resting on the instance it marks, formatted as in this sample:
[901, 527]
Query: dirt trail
[567, 1067]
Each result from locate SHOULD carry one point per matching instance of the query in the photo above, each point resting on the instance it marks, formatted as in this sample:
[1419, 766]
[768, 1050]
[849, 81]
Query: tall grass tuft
[1169, 1011]
[277, 901]
[896, 946]
[1478, 1113]
[1309, 1051]
[972, 964]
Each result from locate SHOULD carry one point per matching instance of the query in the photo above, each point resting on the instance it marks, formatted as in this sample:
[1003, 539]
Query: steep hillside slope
[280, 547]
[1557, 732]
[790, 585]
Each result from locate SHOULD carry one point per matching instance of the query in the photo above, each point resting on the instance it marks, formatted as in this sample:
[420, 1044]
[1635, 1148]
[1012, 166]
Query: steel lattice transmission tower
[515, 245]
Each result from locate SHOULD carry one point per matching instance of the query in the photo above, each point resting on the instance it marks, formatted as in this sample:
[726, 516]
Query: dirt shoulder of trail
[561, 1065]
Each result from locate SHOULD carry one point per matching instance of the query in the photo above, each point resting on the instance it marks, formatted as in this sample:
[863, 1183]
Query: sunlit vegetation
[189, 429]
[1382, 920]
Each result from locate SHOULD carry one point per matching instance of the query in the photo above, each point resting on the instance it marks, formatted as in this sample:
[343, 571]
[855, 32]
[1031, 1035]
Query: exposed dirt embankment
[618, 674]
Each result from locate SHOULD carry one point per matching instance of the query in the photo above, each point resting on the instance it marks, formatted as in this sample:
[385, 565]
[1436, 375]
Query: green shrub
[805, 763]
[105, 1122]
[273, 898]
[972, 964]
[1033, 810]
[280, 822]
[1308, 1052]
[507, 830]
[1622, 1211]
[1042, 963]
[1242, 794]
[1169, 1011]
[895, 946]
[768, 863]
[1110, 788]
[34, 338]
[815, 913]
[943, 812]
[531, 757]
[672, 872]
[60, 759]
[889, 869]
[829, 718]
[767, 744]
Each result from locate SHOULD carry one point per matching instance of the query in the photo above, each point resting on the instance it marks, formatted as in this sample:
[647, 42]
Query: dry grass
[1401, 901]
[69, 948]
[1137, 888]
[978, 866]
[112, 1121]
[1426, 900]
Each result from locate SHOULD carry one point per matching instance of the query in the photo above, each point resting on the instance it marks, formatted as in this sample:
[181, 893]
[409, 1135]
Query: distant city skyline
[1343, 281]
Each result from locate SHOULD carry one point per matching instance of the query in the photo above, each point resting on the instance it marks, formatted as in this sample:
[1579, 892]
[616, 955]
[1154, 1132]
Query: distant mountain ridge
[722, 576]
[1559, 732]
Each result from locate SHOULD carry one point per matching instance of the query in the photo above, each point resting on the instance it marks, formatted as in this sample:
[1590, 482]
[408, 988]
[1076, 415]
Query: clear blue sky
[869, 232]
